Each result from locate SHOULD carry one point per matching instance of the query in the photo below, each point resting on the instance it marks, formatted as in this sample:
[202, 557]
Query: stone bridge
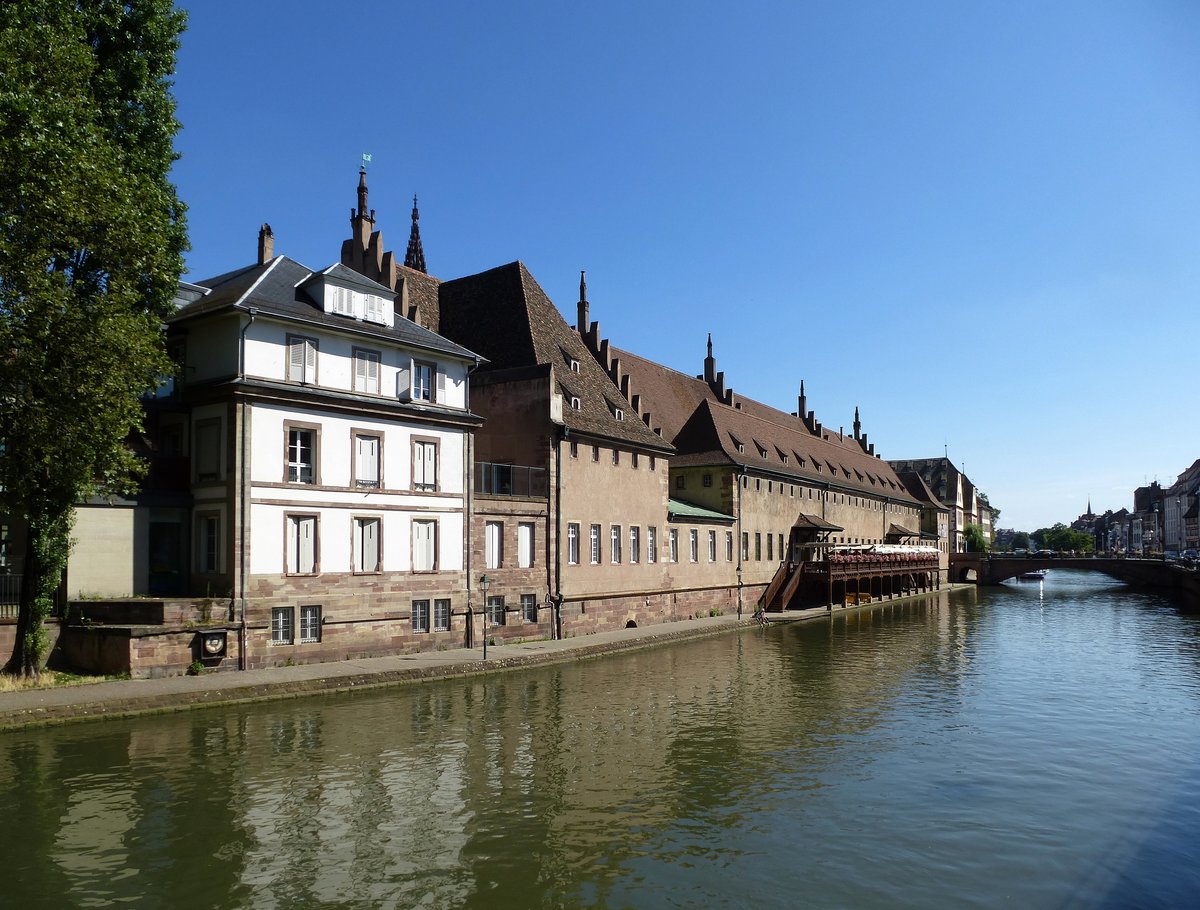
[986, 569]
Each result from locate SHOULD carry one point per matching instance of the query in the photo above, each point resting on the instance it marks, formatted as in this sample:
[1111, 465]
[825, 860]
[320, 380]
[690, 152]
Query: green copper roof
[677, 508]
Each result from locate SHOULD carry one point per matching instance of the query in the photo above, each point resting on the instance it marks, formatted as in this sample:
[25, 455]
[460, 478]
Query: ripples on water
[1031, 746]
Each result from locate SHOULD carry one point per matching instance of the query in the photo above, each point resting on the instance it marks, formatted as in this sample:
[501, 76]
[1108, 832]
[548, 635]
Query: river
[1033, 746]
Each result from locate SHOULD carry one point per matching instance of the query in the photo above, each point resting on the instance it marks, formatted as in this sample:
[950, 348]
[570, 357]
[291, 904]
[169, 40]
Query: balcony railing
[510, 479]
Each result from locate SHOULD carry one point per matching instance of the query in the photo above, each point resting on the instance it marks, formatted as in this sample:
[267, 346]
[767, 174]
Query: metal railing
[510, 479]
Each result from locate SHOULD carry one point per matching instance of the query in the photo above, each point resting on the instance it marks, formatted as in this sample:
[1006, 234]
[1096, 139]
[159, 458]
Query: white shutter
[493, 544]
[367, 459]
[361, 372]
[524, 545]
[430, 464]
[302, 554]
[296, 359]
[372, 384]
[424, 549]
[368, 544]
[310, 361]
[441, 387]
[404, 380]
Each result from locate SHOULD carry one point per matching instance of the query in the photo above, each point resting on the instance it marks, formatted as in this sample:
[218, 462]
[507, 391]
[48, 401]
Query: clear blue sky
[980, 223]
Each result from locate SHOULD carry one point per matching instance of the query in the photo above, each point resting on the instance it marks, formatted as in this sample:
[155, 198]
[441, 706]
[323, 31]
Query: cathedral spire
[710, 363]
[857, 423]
[582, 307]
[415, 257]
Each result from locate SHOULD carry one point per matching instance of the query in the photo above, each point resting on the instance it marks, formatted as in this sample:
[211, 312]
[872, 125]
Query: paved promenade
[175, 693]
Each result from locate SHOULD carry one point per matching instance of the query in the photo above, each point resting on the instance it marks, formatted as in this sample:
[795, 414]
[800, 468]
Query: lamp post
[484, 583]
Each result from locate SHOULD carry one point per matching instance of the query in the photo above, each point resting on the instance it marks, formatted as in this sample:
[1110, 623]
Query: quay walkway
[122, 698]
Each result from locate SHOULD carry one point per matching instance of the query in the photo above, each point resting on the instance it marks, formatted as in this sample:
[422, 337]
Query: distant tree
[91, 244]
[1020, 541]
[1062, 538]
[974, 538]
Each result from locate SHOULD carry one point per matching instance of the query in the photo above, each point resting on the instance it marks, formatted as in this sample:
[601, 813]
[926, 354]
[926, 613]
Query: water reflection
[933, 753]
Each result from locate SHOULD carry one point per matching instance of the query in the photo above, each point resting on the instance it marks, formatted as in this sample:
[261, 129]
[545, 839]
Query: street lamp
[484, 583]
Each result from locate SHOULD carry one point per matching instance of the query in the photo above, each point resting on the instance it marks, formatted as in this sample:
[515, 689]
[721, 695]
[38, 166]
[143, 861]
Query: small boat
[1035, 575]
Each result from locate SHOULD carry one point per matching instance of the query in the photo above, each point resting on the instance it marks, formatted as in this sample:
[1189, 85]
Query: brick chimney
[266, 244]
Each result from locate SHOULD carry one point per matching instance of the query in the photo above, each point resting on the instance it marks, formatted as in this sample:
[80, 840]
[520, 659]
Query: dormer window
[341, 301]
[574, 403]
[574, 365]
[619, 413]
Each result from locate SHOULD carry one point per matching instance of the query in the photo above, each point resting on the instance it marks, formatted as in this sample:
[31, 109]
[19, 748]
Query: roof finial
[710, 344]
[581, 308]
[415, 257]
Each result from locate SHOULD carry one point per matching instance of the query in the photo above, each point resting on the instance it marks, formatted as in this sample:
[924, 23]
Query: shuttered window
[366, 544]
[366, 461]
[424, 534]
[302, 544]
[366, 371]
[302, 359]
[494, 544]
[425, 457]
[524, 545]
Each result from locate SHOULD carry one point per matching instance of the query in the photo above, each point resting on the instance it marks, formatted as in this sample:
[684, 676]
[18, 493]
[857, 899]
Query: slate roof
[506, 316]
[706, 431]
[278, 288]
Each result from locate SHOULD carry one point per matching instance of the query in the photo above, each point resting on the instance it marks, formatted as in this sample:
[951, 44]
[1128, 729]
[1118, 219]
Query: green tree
[1020, 541]
[91, 247]
[974, 539]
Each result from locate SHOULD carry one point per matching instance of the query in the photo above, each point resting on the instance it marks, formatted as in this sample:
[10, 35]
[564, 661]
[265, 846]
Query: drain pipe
[244, 495]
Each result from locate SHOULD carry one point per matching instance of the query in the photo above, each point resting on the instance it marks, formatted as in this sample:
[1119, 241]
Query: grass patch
[51, 679]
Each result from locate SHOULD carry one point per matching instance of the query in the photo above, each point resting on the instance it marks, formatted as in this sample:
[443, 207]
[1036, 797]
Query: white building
[329, 453]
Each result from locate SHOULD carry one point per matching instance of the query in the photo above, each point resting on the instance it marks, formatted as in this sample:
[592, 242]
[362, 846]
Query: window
[595, 453]
[310, 624]
[651, 544]
[529, 607]
[618, 413]
[729, 546]
[283, 621]
[422, 387]
[635, 544]
[681, 482]
[780, 546]
[441, 615]
[653, 463]
[301, 455]
[758, 545]
[694, 544]
[574, 365]
[616, 544]
[616, 456]
[573, 543]
[424, 544]
[302, 544]
[493, 536]
[595, 545]
[341, 301]
[425, 464]
[708, 480]
[366, 461]
[420, 616]
[495, 610]
[574, 448]
[635, 460]
[574, 403]
[673, 544]
[366, 544]
[712, 546]
[524, 545]
[366, 371]
[302, 359]
[745, 545]
[770, 547]
[208, 450]
[373, 308]
[209, 541]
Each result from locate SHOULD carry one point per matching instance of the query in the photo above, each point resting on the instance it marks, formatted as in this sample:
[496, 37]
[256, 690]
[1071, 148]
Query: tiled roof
[804, 520]
[506, 316]
[277, 288]
[895, 530]
[919, 489]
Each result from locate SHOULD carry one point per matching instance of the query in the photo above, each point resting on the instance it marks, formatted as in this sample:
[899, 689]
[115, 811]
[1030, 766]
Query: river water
[1032, 746]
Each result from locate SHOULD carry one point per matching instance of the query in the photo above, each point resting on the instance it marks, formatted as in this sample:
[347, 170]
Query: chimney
[266, 244]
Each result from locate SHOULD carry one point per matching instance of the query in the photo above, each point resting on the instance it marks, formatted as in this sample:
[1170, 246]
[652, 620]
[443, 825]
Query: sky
[978, 223]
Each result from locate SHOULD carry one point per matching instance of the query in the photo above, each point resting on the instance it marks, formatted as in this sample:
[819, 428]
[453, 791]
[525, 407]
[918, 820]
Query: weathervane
[366, 159]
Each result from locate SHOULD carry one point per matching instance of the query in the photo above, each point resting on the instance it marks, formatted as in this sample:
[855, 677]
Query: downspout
[243, 496]
[469, 515]
[557, 598]
[740, 544]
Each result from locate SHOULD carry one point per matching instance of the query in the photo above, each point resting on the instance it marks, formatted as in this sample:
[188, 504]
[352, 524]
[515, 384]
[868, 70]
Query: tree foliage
[1020, 541]
[974, 539]
[91, 247]
[1062, 538]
